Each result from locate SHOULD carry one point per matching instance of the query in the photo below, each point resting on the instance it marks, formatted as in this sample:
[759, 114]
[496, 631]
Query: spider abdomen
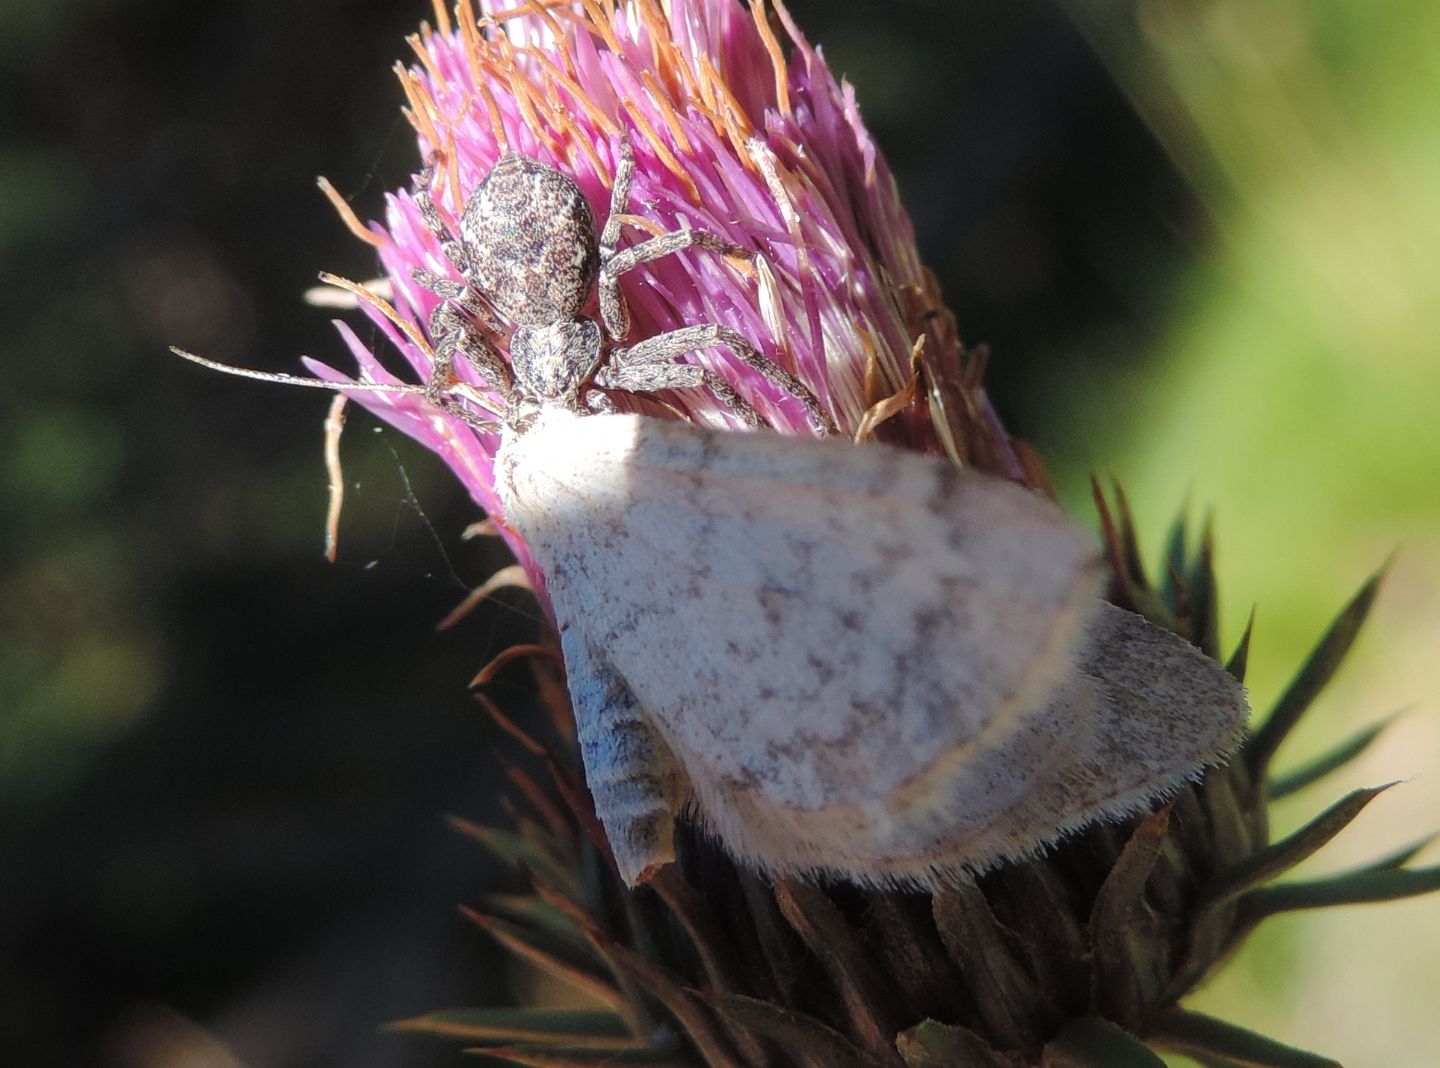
[530, 236]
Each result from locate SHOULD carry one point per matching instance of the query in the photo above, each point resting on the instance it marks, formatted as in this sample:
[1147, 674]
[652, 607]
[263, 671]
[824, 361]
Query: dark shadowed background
[224, 763]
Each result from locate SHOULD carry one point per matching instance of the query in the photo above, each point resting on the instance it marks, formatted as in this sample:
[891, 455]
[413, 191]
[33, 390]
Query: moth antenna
[298, 380]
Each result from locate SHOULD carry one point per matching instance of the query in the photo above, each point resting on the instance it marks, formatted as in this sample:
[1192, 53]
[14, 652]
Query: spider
[528, 252]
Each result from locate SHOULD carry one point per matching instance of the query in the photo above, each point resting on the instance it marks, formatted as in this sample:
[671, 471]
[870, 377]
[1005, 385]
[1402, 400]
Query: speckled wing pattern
[847, 660]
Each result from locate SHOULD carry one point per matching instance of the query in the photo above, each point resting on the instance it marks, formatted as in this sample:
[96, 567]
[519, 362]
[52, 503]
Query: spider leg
[441, 287]
[613, 309]
[451, 332]
[614, 312]
[466, 296]
[651, 376]
[667, 244]
[453, 335]
[613, 263]
[665, 348]
[619, 199]
[453, 250]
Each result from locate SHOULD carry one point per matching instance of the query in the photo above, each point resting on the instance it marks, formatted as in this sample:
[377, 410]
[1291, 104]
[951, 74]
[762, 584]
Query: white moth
[844, 660]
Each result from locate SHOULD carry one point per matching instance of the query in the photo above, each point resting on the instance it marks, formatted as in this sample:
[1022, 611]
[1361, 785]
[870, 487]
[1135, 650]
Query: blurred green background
[1200, 238]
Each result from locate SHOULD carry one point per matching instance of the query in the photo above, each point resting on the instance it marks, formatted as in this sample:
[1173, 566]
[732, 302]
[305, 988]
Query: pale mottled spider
[529, 256]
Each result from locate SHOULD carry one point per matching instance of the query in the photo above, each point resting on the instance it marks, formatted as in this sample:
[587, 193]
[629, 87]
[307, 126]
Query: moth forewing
[855, 661]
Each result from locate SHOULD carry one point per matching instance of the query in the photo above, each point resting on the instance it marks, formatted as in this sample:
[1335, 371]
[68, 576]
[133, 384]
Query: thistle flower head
[738, 128]
[734, 132]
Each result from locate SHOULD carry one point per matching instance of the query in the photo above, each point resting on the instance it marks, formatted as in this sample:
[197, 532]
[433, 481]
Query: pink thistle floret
[730, 135]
